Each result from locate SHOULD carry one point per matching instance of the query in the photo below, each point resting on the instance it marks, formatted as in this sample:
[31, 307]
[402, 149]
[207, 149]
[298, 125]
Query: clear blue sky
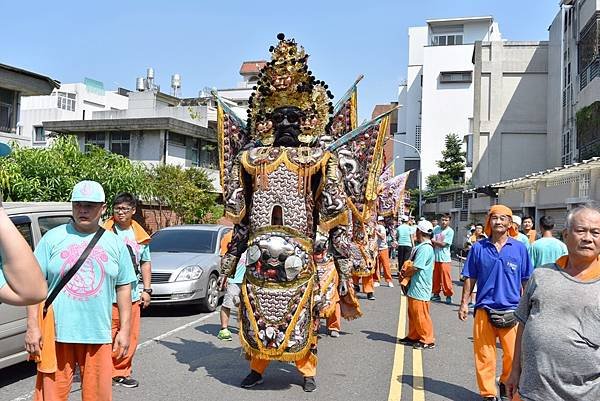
[206, 41]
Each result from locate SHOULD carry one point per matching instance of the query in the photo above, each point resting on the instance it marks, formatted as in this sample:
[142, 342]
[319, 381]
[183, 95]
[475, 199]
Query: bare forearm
[468, 286]
[124, 306]
[32, 316]
[146, 268]
[21, 269]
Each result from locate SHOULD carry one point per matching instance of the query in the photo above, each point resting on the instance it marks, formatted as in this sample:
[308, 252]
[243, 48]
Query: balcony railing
[592, 71]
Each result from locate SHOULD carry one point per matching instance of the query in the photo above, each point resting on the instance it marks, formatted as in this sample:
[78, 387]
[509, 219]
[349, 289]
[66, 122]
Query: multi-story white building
[70, 102]
[437, 97]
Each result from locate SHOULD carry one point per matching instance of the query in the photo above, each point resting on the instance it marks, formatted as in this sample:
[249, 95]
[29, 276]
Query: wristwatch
[147, 291]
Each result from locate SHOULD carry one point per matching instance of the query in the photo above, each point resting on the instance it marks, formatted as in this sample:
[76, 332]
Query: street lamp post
[419, 173]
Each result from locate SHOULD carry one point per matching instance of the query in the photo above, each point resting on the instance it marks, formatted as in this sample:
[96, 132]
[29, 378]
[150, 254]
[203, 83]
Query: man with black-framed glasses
[137, 241]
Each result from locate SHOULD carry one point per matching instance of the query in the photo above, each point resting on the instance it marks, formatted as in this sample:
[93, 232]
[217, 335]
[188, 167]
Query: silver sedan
[185, 265]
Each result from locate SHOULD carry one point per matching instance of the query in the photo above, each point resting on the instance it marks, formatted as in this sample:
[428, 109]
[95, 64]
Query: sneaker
[356, 288]
[376, 284]
[407, 341]
[252, 379]
[488, 399]
[503, 395]
[449, 300]
[390, 284]
[370, 296]
[309, 384]
[334, 333]
[421, 345]
[436, 298]
[224, 335]
[128, 382]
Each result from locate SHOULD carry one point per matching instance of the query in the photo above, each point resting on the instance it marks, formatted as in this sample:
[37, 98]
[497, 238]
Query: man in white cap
[420, 327]
[520, 236]
[383, 257]
[76, 328]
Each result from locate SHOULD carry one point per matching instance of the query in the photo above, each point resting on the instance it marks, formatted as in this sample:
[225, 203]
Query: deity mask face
[287, 122]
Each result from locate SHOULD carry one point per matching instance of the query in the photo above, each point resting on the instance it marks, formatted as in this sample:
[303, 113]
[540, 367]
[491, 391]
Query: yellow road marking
[418, 385]
[395, 393]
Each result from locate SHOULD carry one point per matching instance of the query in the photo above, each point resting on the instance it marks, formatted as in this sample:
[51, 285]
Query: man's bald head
[582, 233]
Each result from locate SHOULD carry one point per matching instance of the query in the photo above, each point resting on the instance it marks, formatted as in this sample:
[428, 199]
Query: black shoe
[356, 288]
[252, 379]
[421, 345]
[370, 296]
[407, 341]
[489, 399]
[309, 384]
[128, 382]
[503, 395]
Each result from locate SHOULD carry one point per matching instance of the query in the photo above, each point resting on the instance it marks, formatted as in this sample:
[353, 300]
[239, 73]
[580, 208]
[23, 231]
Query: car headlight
[189, 273]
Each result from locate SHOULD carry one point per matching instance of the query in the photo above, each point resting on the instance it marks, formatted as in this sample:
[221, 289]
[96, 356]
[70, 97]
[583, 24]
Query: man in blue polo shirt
[500, 266]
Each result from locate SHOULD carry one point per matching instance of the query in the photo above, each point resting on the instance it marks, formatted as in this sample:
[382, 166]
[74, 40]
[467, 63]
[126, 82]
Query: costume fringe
[236, 218]
[277, 353]
[349, 305]
[340, 219]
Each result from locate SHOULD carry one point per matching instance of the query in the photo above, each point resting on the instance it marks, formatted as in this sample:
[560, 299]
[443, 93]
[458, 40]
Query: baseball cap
[516, 219]
[404, 217]
[88, 191]
[4, 149]
[380, 218]
[425, 226]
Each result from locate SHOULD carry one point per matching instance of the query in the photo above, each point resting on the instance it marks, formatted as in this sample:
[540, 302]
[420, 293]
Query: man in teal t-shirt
[82, 310]
[546, 249]
[420, 327]
[443, 235]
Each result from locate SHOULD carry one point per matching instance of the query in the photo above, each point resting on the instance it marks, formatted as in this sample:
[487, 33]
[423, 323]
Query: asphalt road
[180, 358]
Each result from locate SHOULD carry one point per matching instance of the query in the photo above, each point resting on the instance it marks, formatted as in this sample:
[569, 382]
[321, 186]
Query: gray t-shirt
[561, 339]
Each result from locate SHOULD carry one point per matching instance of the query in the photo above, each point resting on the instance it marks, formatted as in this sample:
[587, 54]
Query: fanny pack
[502, 319]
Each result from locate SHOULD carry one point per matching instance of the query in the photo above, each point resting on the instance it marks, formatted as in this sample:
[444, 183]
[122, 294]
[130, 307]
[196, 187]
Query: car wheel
[210, 302]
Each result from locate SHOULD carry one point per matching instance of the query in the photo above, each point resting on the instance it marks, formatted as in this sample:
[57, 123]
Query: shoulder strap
[65, 279]
[414, 255]
[131, 254]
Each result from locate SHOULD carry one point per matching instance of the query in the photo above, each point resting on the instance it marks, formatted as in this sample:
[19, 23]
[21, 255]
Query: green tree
[451, 165]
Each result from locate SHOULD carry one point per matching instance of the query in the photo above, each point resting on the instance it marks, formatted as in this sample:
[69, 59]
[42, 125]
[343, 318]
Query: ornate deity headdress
[286, 81]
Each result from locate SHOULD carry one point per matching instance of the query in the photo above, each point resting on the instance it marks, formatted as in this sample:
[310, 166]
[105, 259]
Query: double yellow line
[418, 393]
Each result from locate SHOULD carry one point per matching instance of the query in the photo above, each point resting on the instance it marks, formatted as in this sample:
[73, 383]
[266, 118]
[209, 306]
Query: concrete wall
[587, 9]
[480, 204]
[548, 197]
[510, 109]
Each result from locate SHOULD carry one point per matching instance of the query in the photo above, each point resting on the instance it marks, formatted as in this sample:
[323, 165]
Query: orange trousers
[94, 362]
[334, 322]
[367, 282]
[122, 367]
[307, 365]
[420, 327]
[383, 260]
[442, 279]
[484, 345]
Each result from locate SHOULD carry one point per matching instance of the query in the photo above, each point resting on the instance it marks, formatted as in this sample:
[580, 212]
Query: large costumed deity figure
[283, 177]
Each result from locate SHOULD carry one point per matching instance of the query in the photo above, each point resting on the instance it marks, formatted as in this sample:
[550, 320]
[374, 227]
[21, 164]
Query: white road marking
[151, 341]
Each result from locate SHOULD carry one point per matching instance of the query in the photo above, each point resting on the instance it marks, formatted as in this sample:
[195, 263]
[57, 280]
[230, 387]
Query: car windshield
[193, 241]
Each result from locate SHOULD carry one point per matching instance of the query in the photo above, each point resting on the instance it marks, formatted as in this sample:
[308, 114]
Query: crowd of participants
[527, 284]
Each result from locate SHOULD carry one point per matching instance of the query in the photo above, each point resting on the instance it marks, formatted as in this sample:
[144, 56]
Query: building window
[455, 76]
[65, 100]
[566, 148]
[195, 151]
[208, 154]
[176, 139]
[95, 139]
[39, 135]
[464, 215]
[119, 143]
[418, 137]
[7, 99]
[447, 40]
